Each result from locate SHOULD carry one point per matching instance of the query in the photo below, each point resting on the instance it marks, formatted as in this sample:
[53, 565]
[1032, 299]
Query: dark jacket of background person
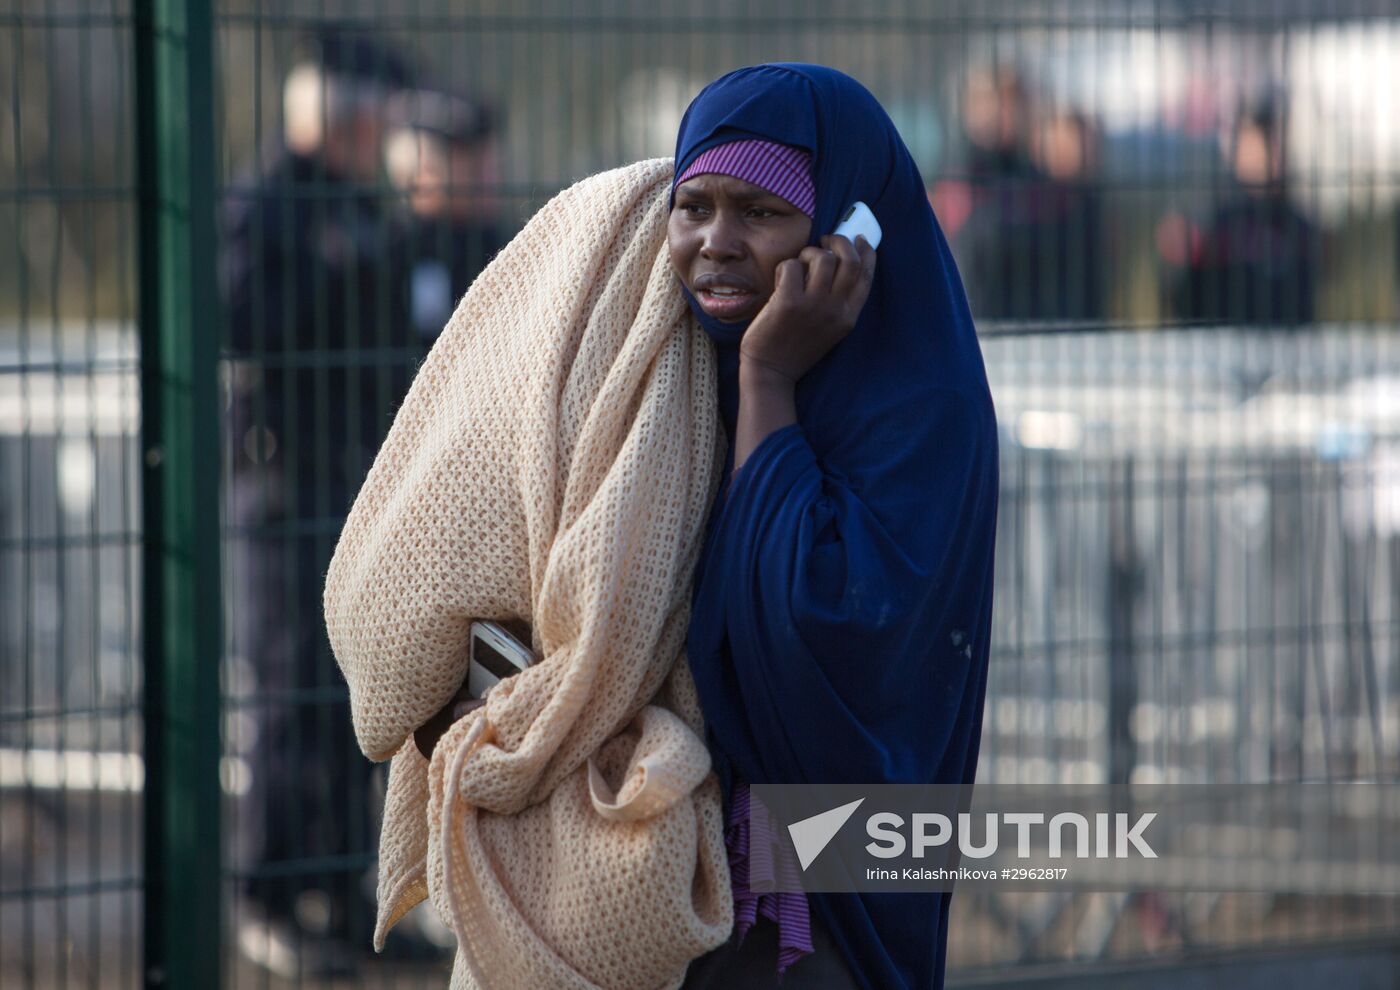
[1253, 263]
[1255, 260]
[1032, 249]
[1032, 245]
[441, 260]
[316, 298]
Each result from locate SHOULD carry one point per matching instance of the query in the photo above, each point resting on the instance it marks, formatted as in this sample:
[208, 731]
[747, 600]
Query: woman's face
[728, 234]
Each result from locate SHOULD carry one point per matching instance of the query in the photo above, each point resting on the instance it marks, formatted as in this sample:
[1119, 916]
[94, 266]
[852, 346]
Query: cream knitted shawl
[553, 462]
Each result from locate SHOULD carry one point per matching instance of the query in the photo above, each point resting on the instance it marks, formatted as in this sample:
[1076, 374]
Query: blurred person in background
[1064, 246]
[311, 292]
[997, 113]
[1255, 260]
[1007, 216]
[995, 129]
[445, 158]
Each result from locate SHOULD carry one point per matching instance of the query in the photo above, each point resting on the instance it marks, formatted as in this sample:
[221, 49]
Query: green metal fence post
[180, 441]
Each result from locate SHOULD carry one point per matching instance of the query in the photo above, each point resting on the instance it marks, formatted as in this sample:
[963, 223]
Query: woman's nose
[716, 248]
[720, 242]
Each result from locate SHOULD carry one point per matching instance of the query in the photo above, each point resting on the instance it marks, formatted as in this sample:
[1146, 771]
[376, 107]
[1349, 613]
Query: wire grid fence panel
[70, 689]
[1197, 554]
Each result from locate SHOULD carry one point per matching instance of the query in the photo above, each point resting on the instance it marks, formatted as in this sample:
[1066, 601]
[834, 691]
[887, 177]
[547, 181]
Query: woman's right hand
[460, 704]
[815, 304]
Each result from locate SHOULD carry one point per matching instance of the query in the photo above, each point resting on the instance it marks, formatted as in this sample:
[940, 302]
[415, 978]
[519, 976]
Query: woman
[842, 599]
[842, 602]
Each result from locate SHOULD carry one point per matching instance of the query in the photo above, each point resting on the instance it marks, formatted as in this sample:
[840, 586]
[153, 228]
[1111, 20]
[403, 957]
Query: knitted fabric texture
[782, 169]
[553, 462]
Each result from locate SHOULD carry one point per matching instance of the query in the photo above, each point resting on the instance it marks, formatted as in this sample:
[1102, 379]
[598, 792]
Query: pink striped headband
[781, 169]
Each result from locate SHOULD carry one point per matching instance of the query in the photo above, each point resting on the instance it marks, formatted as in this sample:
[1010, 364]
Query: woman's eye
[696, 209]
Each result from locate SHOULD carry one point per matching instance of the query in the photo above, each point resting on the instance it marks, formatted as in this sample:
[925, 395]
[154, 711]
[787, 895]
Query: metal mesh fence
[1177, 228]
[71, 772]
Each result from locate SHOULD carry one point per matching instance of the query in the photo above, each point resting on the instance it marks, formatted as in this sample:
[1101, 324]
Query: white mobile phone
[858, 219]
[495, 655]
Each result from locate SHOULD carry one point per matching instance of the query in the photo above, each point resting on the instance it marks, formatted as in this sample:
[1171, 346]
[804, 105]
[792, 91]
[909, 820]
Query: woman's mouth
[724, 301]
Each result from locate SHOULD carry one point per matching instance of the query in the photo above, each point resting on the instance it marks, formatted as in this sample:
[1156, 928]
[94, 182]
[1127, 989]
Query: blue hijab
[843, 595]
